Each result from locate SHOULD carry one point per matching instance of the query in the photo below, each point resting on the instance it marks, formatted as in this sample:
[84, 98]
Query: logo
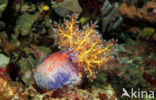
[137, 94]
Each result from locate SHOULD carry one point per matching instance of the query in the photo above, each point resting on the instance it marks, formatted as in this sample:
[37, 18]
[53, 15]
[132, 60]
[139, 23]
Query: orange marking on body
[53, 66]
[50, 68]
[45, 73]
[62, 66]
[62, 57]
[69, 51]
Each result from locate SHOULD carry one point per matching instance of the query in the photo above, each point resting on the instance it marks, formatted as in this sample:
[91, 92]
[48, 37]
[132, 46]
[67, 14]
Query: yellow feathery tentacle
[86, 42]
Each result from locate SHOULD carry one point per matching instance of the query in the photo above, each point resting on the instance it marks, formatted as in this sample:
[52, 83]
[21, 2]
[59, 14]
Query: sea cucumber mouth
[73, 56]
